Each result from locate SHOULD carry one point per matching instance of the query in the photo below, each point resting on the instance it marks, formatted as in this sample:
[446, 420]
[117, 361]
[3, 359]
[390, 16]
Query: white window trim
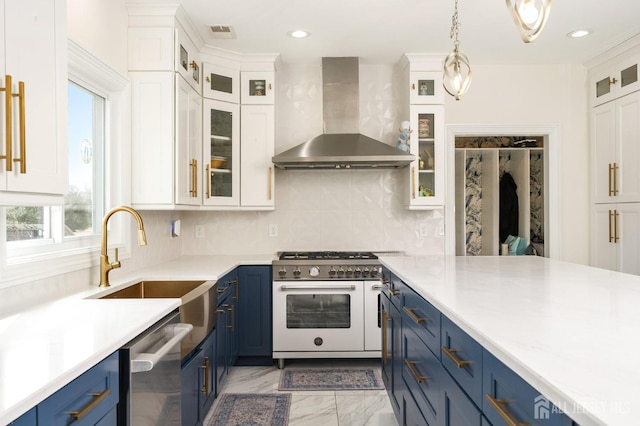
[85, 69]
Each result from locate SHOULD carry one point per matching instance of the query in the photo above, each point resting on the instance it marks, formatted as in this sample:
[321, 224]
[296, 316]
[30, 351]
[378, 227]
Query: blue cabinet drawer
[86, 400]
[507, 397]
[412, 416]
[27, 419]
[462, 357]
[424, 376]
[227, 286]
[423, 318]
[458, 409]
[396, 288]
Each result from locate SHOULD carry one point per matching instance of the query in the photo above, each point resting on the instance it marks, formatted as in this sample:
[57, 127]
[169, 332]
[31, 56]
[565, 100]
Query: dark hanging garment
[508, 207]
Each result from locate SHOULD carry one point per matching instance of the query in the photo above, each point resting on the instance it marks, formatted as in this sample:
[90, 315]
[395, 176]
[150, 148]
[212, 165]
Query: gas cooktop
[327, 255]
[322, 265]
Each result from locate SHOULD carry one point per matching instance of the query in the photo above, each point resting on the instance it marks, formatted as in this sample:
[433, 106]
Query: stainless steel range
[326, 305]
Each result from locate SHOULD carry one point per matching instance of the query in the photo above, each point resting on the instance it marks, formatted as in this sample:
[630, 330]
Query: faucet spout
[105, 265]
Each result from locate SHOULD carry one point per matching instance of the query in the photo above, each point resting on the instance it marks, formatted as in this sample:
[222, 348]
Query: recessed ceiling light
[298, 34]
[580, 33]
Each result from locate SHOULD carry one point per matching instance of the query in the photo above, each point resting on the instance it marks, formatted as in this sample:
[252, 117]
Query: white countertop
[44, 348]
[570, 331]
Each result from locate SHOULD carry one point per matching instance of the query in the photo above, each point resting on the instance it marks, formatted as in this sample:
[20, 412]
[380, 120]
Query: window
[83, 204]
[44, 241]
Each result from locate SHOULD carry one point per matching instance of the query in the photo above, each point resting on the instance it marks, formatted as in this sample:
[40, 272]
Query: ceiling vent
[223, 31]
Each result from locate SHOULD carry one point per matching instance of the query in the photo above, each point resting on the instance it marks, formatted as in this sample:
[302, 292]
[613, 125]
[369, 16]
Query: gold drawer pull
[8, 107]
[384, 336]
[451, 353]
[205, 367]
[23, 128]
[414, 371]
[615, 179]
[395, 292]
[97, 399]
[413, 316]
[500, 406]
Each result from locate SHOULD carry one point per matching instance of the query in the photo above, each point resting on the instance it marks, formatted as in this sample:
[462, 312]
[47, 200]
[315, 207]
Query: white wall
[549, 94]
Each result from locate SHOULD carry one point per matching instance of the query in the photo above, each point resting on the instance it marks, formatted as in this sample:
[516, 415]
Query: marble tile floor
[311, 408]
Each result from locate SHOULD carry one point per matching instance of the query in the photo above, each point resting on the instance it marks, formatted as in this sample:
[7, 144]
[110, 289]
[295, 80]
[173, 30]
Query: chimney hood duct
[341, 146]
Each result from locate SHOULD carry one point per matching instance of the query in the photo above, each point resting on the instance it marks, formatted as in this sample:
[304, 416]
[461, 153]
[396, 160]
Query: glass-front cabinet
[610, 82]
[425, 88]
[221, 83]
[221, 152]
[426, 180]
[257, 87]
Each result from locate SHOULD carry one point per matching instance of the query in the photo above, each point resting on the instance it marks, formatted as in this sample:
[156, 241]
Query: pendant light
[529, 16]
[457, 71]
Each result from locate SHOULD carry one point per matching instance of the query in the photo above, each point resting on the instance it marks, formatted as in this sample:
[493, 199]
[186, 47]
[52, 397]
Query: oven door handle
[287, 287]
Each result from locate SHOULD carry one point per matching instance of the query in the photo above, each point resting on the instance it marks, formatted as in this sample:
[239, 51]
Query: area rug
[255, 409]
[330, 379]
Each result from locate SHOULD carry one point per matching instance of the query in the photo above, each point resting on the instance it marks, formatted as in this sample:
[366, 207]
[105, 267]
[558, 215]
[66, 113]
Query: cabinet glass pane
[629, 75]
[318, 311]
[184, 58]
[221, 83]
[603, 87]
[256, 87]
[221, 153]
[426, 88]
[426, 163]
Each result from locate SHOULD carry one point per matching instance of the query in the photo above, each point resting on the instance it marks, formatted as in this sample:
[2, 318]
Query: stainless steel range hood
[341, 146]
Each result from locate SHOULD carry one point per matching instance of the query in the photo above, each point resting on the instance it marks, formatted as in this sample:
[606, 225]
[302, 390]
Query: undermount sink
[199, 300]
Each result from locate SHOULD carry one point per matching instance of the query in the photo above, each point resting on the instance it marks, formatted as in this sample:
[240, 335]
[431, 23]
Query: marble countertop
[45, 347]
[571, 331]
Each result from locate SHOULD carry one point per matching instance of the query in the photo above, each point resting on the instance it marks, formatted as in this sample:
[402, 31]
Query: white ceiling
[380, 31]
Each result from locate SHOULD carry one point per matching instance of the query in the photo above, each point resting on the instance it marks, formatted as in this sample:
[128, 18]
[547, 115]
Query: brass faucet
[105, 265]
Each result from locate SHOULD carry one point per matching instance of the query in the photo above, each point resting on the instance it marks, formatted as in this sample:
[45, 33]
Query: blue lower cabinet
[254, 315]
[27, 419]
[191, 379]
[111, 418]
[423, 318]
[458, 409]
[392, 353]
[508, 398]
[412, 415]
[88, 400]
[422, 373]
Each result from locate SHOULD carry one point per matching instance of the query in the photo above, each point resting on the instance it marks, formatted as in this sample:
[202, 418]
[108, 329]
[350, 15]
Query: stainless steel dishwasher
[150, 375]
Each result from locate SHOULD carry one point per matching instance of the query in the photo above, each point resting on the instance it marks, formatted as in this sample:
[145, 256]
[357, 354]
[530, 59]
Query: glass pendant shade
[457, 74]
[529, 16]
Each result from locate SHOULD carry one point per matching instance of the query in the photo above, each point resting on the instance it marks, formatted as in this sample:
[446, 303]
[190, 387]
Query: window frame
[75, 253]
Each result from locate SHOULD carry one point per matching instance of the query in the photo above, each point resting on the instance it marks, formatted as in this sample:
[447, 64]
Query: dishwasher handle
[146, 361]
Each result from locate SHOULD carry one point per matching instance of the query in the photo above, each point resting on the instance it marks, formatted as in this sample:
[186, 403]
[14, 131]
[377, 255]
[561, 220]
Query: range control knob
[365, 272]
[297, 272]
[332, 271]
[349, 271]
[283, 271]
[314, 271]
[358, 271]
[341, 271]
[374, 272]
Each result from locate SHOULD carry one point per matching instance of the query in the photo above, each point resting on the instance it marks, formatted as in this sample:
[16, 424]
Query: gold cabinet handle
[451, 353]
[612, 81]
[193, 65]
[231, 309]
[413, 182]
[414, 371]
[270, 184]
[395, 292]
[222, 290]
[413, 316]
[8, 111]
[205, 367]
[208, 79]
[270, 86]
[195, 177]
[610, 188]
[384, 336]
[610, 223]
[97, 399]
[615, 179]
[413, 86]
[615, 226]
[208, 178]
[23, 138]
[500, 406]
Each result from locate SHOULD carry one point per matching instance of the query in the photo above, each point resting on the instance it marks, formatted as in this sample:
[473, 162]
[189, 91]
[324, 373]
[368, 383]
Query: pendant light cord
[454, 27]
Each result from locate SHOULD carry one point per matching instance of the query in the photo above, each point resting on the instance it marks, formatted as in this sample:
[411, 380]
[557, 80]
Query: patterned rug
[255, 409]
[330, 379]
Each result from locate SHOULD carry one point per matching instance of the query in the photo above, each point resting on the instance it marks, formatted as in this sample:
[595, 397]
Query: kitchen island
[570, 331]
[45, 347]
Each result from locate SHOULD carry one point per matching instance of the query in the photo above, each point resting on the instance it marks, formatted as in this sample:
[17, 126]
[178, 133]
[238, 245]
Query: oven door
[318, 316]
[372, 316]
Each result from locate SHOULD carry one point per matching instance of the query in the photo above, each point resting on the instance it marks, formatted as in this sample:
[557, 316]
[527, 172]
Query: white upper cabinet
[258, 88]
[188, 143]
[615, 79]
[425, 87]
[257, 132]
[615, 132]
[187, 60]
[34, 77]
[221, 82]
